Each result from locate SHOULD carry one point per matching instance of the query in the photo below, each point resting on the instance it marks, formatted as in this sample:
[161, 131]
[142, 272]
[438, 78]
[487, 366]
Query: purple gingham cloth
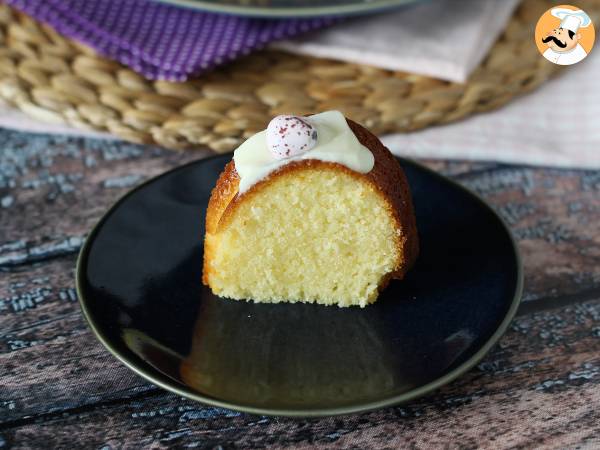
[161, 41]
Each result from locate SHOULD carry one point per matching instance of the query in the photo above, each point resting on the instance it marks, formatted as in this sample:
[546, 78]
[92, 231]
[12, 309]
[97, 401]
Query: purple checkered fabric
[161, 41]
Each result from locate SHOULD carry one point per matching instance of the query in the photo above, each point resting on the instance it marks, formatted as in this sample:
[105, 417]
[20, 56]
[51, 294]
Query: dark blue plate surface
[139, 282]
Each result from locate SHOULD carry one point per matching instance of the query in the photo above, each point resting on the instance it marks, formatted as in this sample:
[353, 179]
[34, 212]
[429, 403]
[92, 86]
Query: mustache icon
[555, 40]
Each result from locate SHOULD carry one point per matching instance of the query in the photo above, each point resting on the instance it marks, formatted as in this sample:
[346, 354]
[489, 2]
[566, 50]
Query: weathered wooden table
[59, 388]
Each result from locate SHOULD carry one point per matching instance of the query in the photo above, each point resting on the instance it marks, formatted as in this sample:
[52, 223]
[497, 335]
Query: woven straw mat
[54, 79]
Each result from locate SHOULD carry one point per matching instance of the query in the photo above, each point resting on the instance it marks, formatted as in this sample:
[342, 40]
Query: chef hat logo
[571, 20]
[565, 34]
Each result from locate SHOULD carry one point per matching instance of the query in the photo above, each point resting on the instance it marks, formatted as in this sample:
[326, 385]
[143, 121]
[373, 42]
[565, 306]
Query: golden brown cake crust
[386, 177]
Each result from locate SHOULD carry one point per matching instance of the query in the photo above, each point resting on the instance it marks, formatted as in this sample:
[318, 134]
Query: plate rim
[148, 372]
[266, 12]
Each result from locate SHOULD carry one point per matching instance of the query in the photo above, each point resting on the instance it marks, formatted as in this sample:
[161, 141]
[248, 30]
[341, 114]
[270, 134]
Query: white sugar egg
[289, 136]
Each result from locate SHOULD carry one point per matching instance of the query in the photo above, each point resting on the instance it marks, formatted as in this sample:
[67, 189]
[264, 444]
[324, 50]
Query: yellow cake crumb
[315, 235]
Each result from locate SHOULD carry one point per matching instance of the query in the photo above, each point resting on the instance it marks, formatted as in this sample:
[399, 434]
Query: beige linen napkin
[444, 39]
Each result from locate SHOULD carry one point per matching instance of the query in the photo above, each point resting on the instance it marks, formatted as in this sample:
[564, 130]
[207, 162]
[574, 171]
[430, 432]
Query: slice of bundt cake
[313, 209]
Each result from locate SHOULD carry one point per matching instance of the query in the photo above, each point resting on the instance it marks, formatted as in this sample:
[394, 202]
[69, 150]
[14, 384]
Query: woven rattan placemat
[57, 80]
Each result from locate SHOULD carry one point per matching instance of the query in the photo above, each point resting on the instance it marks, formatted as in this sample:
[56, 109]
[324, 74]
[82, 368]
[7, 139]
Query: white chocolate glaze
[336, 143]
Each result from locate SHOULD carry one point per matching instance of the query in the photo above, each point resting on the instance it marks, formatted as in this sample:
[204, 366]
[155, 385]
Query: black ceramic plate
[139, 283]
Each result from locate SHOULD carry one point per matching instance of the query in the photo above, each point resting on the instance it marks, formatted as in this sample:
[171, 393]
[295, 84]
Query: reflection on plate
[139, 285]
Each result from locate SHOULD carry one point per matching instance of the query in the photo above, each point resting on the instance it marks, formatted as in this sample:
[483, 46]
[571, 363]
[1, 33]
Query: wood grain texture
[555, 217]
[539, 387]
[50, 360]
[59, 388]
[53, 189]
[555, 214]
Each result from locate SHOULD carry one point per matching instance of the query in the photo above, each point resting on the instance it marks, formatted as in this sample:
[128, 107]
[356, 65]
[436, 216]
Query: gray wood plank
[60, 386]
[50, 359]
[54, 189]
[538, 388]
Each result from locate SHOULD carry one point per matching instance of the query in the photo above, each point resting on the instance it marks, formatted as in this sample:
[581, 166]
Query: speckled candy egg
[289, 136]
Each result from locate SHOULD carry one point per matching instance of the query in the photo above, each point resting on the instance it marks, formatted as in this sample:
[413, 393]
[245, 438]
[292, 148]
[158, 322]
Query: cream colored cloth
[444, 39]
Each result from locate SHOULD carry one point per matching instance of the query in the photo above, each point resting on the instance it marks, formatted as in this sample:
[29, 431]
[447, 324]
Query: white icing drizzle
[336, 143]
